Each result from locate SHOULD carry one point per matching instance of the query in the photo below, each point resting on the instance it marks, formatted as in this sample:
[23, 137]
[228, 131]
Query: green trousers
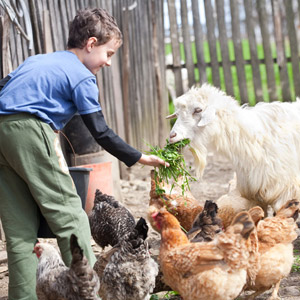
[33, 173]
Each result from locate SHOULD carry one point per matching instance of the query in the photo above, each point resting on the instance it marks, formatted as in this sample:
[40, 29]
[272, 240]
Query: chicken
[55, 281]
[185, 207]
[275, 237]
[109, 220]
[256, 213]
[207, 225]
[213, 270]
[127, 271]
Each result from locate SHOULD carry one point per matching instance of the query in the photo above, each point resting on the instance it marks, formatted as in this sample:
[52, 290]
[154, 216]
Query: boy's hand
[152, 160]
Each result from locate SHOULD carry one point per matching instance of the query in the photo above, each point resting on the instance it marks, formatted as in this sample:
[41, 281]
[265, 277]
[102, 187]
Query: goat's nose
[172, 134]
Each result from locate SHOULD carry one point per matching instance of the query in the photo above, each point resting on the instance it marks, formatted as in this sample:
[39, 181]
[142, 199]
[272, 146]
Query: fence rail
[249, 48]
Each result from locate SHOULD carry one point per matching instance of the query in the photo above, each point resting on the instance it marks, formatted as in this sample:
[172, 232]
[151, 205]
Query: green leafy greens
[171, 153]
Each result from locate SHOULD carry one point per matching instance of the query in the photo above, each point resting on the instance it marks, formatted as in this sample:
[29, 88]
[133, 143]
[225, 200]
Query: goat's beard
[199, 153]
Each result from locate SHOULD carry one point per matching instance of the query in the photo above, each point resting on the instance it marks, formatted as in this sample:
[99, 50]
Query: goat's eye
[197, 110]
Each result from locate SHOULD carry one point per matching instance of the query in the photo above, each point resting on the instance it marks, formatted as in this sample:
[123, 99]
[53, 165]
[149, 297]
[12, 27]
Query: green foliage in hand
[171, 153]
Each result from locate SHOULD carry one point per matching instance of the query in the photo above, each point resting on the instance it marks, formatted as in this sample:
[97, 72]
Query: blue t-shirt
[51, 86]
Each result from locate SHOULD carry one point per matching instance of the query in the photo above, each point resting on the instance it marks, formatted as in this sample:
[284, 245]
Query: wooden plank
[14, 51]
[175, 47]
[64, 22]
[71, 10]
[211, 37]
[256, 77]
[24, 42]
[35, 26]
[48, 44]
[161, 117]
[199, 38]
[281, 61]
[6, 58]
[187, 43]
[262, 13]
[125, 74]
[224, 47]
[40, 23]
[53, 25]
[290, 17]
[238, 51]
[61, 39]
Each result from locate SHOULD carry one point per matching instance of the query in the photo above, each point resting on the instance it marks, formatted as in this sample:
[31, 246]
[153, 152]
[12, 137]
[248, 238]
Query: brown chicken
[275, 237]
[55, 281]
[256, 214]
[185, 207]
[209, 270]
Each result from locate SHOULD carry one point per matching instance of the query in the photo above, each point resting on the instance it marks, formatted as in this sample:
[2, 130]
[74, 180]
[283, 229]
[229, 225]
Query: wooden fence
[249, 48]
[132, 91]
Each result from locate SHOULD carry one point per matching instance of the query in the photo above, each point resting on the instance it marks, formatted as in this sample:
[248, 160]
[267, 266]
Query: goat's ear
[207, 116]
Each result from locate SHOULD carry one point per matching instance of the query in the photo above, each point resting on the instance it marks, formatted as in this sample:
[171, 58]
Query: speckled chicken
[127, 271]
[109, 220]
[275, 237]
[185, 207]
[214, 270]
[207, 225]
[55, 281]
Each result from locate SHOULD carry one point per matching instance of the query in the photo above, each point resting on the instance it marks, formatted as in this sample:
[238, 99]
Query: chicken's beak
[154, 215]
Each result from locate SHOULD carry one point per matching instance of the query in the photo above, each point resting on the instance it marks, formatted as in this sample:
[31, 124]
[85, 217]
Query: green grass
[167, 295]
[248, 69]
[296, 264]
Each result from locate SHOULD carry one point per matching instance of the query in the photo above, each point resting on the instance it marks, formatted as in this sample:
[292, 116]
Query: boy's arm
[109, 140]
[3, 81]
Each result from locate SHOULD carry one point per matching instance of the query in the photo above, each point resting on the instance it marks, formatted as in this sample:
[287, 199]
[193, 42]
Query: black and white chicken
[127, 271]
[109, 220]
[207, 225]
[55, 281]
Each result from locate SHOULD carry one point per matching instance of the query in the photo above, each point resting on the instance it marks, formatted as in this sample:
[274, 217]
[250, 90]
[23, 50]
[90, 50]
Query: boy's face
[99, 56]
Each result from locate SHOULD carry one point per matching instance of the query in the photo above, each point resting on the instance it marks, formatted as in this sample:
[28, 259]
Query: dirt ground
[214, 183]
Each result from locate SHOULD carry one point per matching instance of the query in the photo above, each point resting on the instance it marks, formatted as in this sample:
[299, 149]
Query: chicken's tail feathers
[76, 250]
[100, 197]
[289, 210]
[142, 228]
[243, 224]
[211, 206]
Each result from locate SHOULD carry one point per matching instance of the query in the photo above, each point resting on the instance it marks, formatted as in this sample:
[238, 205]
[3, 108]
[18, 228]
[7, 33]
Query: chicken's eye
[197, 110]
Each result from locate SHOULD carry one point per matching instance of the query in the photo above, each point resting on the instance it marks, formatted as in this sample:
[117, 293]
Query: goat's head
[196, 113]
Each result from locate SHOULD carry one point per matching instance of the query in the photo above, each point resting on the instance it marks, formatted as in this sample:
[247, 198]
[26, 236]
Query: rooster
[209, 270]
[55, 281]
[127, 271]
[109, 220]
[275, 237]
[207, 225]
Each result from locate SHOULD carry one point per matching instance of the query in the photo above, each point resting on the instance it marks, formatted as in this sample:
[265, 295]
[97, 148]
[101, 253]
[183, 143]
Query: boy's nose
[108, 63]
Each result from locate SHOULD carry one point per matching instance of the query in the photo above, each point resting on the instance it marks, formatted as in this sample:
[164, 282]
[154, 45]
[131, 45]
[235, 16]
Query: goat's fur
[262, 142]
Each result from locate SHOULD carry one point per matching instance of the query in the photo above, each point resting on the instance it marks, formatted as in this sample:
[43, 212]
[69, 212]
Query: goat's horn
[172, 116]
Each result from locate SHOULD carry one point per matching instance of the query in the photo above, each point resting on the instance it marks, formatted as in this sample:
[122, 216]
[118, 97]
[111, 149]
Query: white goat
[262, 142]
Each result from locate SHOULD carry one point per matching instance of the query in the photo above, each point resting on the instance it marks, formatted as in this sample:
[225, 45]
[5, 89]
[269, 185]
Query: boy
[41, 96]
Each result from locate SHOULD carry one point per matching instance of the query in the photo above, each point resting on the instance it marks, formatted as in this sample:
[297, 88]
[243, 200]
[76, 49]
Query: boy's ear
[91, 42]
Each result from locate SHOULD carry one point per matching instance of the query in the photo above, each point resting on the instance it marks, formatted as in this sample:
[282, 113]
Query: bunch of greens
[171, 153]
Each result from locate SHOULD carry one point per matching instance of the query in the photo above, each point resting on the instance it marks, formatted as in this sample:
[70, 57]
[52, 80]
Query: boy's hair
[95, 22]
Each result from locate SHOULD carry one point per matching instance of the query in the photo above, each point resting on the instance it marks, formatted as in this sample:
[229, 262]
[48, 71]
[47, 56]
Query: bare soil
[135, 193]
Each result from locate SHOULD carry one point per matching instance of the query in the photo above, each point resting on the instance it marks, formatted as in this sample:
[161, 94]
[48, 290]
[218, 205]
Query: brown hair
[95, 22]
